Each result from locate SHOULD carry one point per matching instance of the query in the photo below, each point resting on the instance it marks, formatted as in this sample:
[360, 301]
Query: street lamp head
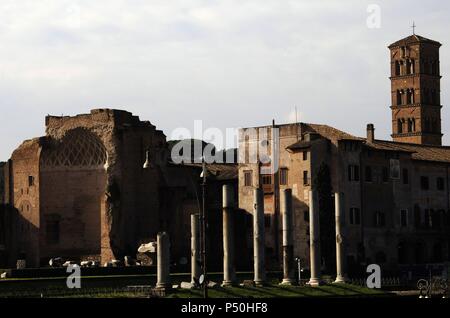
[204, 173]
[147, 164]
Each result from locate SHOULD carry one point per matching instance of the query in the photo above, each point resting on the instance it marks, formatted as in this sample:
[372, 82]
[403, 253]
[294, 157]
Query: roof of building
[331, 132]
[412, 39]
[418, 152]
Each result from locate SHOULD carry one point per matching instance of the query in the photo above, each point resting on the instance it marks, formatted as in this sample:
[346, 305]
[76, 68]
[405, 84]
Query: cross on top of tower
[413, 26]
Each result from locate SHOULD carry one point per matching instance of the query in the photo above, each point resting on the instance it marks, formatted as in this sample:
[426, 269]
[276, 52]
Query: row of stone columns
[314, 232]
[229, 274]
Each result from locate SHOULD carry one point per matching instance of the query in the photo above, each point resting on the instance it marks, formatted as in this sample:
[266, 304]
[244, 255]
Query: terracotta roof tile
[413, 39]
[418, 152]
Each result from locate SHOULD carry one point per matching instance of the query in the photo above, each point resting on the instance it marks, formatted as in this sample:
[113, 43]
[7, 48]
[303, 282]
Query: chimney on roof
[370, 133]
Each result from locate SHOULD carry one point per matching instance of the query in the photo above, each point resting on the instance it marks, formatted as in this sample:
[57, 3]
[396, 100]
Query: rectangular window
[368, 174]
[305, 155]
[440, 184]
[305, 178]
[404, 218]
[424, 183]
[248, 178]
[52, 231]
[405, 176]
[283, 176]
[355, 216]
[353, 173]
[30, 181]
[266, 179]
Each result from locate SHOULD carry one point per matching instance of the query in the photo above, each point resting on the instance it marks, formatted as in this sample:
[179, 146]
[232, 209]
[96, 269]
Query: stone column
[163, 262]
[258, 238]
[340, 271]
[314, 239]
[229, 273]
[288, 247]
[195, 247]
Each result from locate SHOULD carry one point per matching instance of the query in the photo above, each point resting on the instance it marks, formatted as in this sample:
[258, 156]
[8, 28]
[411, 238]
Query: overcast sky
[230, 63]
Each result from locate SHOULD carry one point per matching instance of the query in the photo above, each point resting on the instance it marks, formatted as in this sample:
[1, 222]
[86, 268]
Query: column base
[340, 280]
[260, 283]
[228, 283]
[287, 282]
[315, 282]
[164, 287]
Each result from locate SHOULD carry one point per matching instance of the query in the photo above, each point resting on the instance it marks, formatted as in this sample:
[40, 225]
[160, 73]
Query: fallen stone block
[212, 285]
[186, 285]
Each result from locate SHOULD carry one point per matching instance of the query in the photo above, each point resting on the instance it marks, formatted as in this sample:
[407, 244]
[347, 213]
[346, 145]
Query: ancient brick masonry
[82, 190]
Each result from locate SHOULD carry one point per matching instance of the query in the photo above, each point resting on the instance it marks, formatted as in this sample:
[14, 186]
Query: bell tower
[415, 89]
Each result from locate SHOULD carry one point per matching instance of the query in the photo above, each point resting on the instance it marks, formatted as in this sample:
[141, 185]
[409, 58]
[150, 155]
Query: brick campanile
[415, 89]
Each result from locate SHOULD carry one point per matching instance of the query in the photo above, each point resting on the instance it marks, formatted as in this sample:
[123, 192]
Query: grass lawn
[116, 287]
[334, 290]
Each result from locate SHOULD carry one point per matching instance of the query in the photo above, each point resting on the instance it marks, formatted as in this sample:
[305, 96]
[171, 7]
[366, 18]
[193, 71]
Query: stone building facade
[395, 194]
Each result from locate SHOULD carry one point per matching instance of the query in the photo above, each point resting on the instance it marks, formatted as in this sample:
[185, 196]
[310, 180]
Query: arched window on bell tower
[399, 97]
[397, 68]
[410, 96]
[399, 126]
[408, 67]
[403, 51]
[410, 125]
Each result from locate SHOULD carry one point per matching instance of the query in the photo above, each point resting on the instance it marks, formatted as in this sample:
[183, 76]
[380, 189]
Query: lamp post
[203, 231]
[299, 266]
